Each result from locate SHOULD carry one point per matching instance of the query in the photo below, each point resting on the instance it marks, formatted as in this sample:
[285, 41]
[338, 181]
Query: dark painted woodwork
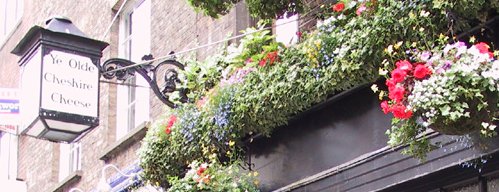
[341, 146]
[337, 132]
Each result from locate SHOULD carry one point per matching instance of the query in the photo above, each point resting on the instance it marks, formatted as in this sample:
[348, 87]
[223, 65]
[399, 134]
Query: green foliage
[259, 85]
[262, 9]
[270, 9]
[213, 8]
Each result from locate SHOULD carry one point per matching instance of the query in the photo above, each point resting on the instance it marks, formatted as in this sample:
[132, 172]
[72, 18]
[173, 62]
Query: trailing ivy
[259, 85]
[262, 9]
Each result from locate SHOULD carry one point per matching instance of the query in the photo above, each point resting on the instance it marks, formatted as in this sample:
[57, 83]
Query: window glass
[10, 15]
[133, 94]
[69, 159]
[8, 156]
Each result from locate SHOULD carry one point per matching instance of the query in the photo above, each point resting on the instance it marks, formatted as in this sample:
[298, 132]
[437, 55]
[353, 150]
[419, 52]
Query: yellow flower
[255, 174]
[231, 143]
[411, 15]
[397, 46]
[381, 95]
[318, 43]
[472, 39]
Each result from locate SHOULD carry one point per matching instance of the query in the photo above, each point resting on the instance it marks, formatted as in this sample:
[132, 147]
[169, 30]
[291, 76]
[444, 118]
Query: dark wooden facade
[341, 146]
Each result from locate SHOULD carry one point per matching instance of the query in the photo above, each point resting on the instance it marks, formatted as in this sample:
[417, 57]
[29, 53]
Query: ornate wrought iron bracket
[163, 86]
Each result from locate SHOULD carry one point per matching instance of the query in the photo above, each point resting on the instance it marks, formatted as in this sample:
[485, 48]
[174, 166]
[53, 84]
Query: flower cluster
[212, 176]
[400, 84]
[199, 174]
[340, 6]
[462, 92]
[169, 125]
[453, 90]
[238, 75]
[269, 59]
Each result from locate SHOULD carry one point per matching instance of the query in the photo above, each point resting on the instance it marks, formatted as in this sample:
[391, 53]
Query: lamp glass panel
[30, 90]
[65, 126]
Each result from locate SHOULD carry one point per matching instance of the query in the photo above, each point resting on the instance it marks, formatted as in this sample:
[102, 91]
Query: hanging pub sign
[59, 81]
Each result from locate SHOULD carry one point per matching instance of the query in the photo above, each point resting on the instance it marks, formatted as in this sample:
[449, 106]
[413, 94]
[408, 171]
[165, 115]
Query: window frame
[132, 98]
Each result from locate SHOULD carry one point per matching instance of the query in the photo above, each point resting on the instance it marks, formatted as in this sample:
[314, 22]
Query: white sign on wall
[70, 84]
[9, 110]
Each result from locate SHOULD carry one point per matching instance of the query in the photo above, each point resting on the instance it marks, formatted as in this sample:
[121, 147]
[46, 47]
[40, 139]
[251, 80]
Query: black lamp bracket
[162, 88]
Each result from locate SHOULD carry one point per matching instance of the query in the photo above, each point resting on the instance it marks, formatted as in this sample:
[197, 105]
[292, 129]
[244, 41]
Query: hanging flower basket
[453, 91]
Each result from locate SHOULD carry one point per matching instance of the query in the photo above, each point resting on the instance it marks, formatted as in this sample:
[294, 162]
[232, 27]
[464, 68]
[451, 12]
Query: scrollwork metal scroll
[170, 77]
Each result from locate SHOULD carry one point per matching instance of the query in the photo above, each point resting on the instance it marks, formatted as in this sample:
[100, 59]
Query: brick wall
[175, 27]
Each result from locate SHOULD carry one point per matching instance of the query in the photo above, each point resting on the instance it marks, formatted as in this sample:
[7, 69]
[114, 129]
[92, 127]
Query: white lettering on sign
[70, 84]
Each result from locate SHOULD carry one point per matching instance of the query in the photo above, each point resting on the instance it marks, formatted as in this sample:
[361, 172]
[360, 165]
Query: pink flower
[401, 112]
[397, 93]
[385, 107]
[425, 56]
[421, 71]
[201, 102]
[262, 63]
[390, 83]
[484, 49]
[361, 9]
[398, 75]
[338, 7]
[404, 65]
[249, 60]
[299, 34]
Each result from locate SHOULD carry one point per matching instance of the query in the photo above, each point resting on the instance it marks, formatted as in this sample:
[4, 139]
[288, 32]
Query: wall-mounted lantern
[60, 72]
[59, 81]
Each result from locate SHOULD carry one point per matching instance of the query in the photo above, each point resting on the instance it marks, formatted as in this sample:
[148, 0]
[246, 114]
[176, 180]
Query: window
[10, 15]
[8, 156]
[133, 95]
[69, 160]
[286, 30]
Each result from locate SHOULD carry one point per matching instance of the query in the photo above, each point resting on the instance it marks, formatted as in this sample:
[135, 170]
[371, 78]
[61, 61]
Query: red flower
[386, 108]
[272, 56]
[390, 83]
[397, 93]
[201, 170]
[421, 71]
[401, 112]
[398, 75]
[361, 9]
[171, 121]
[338, 7]
[484, 48]
[262, 62]
[404, 65]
